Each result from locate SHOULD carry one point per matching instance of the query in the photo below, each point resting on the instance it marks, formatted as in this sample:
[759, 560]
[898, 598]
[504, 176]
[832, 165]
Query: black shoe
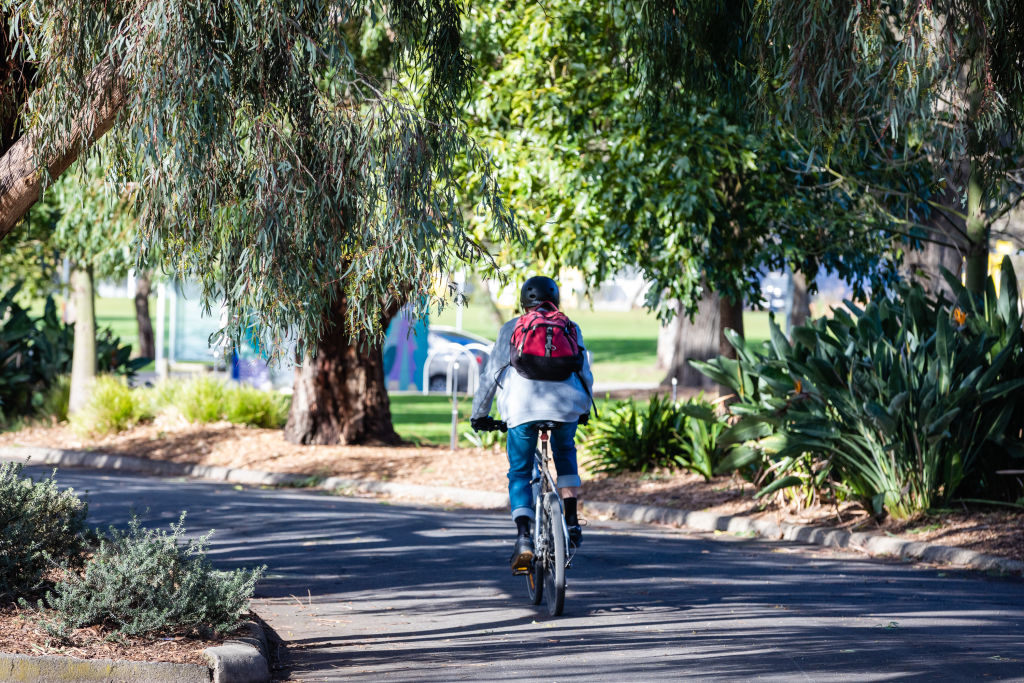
[575, 536]
[522, 555]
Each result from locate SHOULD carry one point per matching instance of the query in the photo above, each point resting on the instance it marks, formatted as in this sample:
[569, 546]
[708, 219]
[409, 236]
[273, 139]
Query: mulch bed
[21, 633]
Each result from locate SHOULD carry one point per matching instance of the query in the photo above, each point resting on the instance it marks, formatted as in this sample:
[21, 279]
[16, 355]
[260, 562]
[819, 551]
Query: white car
[447, 345]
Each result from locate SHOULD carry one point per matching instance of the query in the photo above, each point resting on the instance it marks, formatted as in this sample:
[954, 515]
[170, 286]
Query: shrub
[205, 399]
[56, 398]
[35, 352]
[112, 407]
[38, 522]
[662, 434]
[245, 404]
[201, 399]
[146, 582]
[902, 403]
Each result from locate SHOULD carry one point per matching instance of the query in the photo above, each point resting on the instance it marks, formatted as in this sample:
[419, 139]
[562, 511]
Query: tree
[944, 76]
[688, 191]
[307, 195]
[93, 231]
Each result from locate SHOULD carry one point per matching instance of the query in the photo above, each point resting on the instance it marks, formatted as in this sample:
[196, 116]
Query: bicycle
[552, 554]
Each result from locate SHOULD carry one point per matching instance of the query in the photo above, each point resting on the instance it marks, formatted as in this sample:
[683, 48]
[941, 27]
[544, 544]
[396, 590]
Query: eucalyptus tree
[93, 230]
[310, 197]
[674, 178]
[80, 224]
[946, 76]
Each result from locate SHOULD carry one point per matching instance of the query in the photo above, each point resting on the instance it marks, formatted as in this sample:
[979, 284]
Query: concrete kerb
[244, 658]
[871, 544]
[241, 660]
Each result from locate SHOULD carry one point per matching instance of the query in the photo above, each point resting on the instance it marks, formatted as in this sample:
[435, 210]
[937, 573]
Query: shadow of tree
[361, 590]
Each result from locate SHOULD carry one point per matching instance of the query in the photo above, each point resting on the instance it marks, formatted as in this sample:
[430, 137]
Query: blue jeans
[522, 442]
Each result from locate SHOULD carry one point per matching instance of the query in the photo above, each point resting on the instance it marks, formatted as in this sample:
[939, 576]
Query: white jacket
[526, 400]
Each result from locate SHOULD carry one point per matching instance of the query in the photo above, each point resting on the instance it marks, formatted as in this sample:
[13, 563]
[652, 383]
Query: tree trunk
[977, 232]
[924, 265]
[20, 181]
[683, 340]
[143, 288]
[730, 318]
[339, 395]
[801, 310]
[83, 355]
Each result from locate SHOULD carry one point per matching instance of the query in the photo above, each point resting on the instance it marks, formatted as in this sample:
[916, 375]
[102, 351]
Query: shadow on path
[362, 589]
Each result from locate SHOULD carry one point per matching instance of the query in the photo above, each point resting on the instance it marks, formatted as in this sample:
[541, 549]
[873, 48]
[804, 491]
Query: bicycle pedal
[518, 571]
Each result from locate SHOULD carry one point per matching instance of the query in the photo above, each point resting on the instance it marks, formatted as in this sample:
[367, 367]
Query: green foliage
[201, 399]
[662, 434]
[36, 352]
[245, 404]
[905, 403]
[39, 525]
[697, 196]
[281, 183]
[941, 80]
[56, 399]
[144, 582]
[948, 70]
[205, 399]
[112, 407]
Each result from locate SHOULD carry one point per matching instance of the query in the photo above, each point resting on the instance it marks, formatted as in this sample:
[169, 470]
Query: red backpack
[545, 345]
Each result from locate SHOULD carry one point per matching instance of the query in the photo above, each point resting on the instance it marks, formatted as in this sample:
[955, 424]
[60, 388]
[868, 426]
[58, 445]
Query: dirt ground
[20, 633]
[988, 530]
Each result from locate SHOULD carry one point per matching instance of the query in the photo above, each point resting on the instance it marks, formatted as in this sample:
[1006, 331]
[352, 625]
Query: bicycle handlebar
[493, 425]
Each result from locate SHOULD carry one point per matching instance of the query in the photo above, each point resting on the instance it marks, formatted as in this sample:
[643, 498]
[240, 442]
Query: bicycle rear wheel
[535, 580]
[554, 571]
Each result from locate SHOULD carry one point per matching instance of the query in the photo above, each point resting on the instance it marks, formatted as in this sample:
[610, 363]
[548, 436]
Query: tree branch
[21, 179]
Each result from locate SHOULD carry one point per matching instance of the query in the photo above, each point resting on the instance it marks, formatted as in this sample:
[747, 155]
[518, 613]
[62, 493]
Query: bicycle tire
[554, 571]
[535, 580]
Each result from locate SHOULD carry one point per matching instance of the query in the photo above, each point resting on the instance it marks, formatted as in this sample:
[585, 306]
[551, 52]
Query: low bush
[112, 407]
[201, 399]
[245, 404]
[35, 352]
[56, 399]
[903, 404]
[661, 434]
[144, 582]
[39, 525]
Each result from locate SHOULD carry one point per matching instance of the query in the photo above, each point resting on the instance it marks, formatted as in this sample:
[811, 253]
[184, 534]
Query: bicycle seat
[547, 425]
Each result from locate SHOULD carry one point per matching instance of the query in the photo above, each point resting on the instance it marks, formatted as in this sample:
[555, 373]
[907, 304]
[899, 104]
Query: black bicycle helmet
[537, 290]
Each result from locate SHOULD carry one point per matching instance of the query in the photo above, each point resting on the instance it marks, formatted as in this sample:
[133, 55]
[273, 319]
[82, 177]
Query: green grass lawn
[428, 419]
[623, 343]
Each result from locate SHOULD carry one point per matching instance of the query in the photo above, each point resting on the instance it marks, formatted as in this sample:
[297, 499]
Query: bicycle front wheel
[554, 572]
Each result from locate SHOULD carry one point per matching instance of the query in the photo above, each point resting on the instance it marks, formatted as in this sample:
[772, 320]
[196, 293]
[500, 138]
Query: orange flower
[798, 386]
[959, 316]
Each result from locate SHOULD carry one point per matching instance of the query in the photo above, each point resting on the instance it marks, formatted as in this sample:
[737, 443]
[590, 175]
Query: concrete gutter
[871, 544]
[242, 660]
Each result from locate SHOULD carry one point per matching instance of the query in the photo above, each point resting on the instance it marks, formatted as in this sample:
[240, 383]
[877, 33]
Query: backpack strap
[593, 403]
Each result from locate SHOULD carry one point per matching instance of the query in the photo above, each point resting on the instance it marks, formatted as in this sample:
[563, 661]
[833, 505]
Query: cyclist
[523, 403]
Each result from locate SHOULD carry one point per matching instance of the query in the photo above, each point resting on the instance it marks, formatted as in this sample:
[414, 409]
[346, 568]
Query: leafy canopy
[944, 74]
[691, 193]
[272, 166]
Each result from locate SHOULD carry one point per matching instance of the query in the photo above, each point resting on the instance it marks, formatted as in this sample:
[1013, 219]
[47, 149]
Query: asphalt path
[366, 590]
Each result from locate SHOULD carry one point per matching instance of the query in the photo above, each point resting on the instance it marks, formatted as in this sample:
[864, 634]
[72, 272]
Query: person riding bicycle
[523, 404]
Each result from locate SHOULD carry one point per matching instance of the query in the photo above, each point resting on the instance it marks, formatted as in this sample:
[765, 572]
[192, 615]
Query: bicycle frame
[542, 483]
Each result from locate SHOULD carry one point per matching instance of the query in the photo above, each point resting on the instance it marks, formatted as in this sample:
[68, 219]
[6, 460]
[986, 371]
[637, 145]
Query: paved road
[364, 590]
